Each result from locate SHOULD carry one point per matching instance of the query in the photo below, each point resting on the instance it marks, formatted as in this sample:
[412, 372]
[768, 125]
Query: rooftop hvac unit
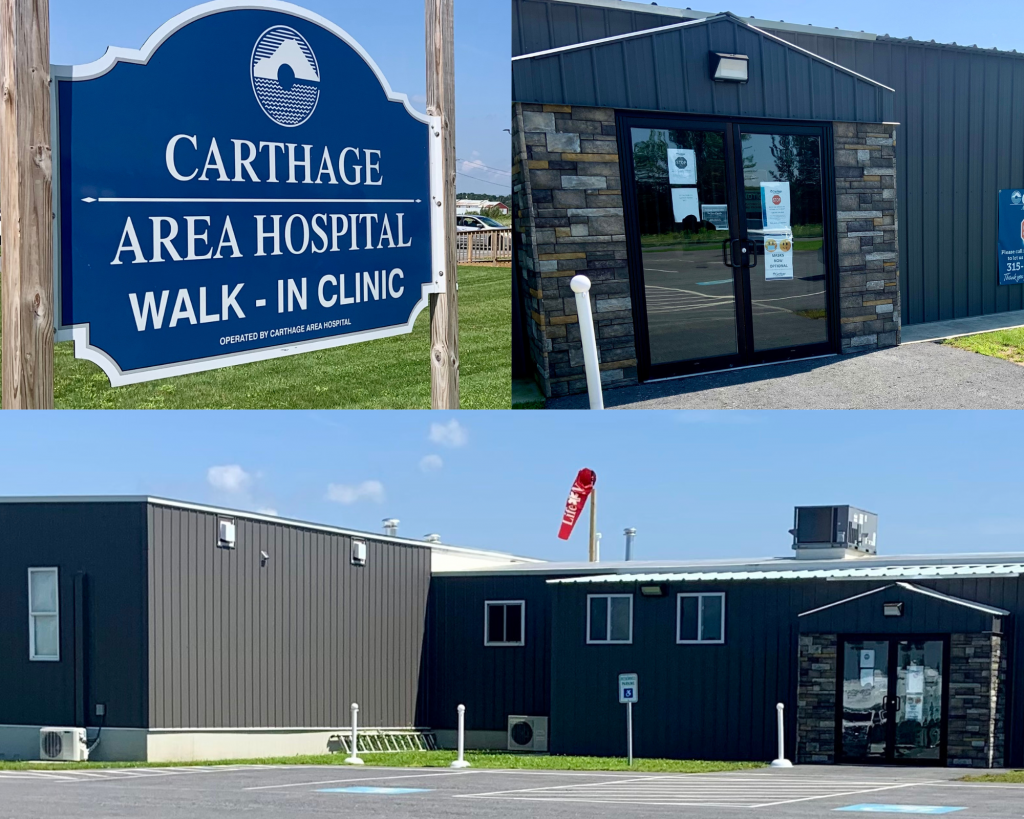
[834, 531]
[63, 744]
[528, 734]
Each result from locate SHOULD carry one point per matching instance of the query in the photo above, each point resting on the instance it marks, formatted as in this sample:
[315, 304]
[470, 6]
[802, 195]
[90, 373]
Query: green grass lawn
[1004, 776]
[437, 759]
[392, 373]
[1006, 344]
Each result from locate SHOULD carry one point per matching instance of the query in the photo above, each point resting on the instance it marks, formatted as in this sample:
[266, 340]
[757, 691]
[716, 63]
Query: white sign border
[79, 333]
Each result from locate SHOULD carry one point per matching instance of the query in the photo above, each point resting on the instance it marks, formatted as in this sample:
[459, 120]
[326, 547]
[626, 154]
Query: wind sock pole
[593, 525]
[26, 205]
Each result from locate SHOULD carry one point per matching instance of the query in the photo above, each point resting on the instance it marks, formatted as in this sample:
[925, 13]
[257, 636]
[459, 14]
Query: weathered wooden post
[444, 307]
[26, 205]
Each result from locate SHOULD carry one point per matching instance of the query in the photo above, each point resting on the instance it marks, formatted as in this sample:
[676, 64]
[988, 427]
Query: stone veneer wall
[977, 701]
[869, 298]
[567, 206]
[816, 698]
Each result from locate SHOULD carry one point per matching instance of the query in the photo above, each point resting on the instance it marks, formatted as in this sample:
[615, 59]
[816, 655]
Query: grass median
[1010, 777]
[432, 759]
[1005, 344]
[391, 373]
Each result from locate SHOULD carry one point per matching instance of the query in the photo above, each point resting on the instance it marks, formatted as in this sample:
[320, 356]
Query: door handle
[885, 703]
[899, 703]
[744, 251]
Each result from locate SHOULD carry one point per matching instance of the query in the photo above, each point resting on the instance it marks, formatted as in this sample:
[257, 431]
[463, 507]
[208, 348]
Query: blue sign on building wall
[1011, 236]
[246, 186]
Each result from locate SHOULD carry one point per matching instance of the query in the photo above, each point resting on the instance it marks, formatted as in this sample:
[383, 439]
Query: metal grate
[387, 740]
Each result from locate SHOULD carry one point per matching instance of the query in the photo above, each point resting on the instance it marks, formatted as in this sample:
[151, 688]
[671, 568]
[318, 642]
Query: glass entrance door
[892, 701]
[728, 251]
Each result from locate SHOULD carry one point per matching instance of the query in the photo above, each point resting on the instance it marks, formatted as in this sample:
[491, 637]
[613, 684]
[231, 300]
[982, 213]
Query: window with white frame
[505, 623]
[43, 615]
[609, 618]
[700, 617]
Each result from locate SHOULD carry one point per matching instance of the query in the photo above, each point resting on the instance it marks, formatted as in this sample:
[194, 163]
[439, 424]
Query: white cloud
[352, 493]
[451, 434]
[431, 463]
[476, 168]
[228, 478]
[267, 511]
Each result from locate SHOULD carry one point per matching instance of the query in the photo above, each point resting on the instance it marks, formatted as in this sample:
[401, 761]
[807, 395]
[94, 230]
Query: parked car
[467, 223]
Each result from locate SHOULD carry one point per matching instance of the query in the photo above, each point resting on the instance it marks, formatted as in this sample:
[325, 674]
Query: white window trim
[700, 618]
[522, 621]
[47, 658]
[608, 621]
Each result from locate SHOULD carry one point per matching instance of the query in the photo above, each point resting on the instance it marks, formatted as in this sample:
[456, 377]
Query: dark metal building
[180, 644]
[717, 644]
[955, 117]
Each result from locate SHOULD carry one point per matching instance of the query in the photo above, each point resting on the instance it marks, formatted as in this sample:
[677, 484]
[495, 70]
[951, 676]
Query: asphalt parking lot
[389, 793]
[912, 376]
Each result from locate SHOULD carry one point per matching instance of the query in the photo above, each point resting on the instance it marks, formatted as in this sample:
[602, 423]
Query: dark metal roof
[666, 69]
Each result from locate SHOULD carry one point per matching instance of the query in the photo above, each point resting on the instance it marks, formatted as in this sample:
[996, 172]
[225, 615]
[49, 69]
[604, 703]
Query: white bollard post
[461, 761]
[581, 287]
[354, 759]
[781, 762]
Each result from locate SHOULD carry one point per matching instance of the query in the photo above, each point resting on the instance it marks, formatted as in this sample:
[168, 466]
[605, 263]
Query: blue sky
[391, 31]
[981, 22]
[694, 484]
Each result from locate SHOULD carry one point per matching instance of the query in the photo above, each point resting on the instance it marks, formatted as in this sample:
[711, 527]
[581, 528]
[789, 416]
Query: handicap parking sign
[628, 688]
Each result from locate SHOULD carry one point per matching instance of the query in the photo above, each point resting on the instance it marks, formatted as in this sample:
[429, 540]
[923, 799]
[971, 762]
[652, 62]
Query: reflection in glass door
[782, 200]
[683, 210]
[865, 712]
[893, 700]
[919, 667]
[730, 252]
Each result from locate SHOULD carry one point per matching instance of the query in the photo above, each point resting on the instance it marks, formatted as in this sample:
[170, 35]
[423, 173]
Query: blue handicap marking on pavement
[368, 789]
[868, 808]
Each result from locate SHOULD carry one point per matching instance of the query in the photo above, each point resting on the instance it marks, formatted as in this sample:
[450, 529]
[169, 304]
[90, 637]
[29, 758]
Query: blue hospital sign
[1011, 236]
[246, 186]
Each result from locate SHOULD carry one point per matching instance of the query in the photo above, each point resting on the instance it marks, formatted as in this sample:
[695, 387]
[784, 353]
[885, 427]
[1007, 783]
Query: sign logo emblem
[1015, 198]
[776, 200]
[285, 76]
[770, 245]
[681, 162]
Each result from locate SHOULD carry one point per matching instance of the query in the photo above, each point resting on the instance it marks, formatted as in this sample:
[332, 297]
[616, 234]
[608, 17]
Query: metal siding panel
[722, 38]
[945, 226]
[821, 97]
[564, 29]
[776, 85]
[751, 94]
[799, 70]
[618, 22]
[975, 192]
[695, 67]
[930, 161]
[611, 75]
[671, 82]
[578, 77]
[638, 60]
[592, 24]
[992, 105]
[533, 20]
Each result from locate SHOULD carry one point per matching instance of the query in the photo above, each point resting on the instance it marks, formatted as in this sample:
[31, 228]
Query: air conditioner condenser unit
[528, 734]
[63, 745]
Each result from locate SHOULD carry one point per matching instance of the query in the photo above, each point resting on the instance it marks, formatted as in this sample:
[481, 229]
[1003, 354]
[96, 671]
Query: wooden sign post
[26, 205]
[444, 307]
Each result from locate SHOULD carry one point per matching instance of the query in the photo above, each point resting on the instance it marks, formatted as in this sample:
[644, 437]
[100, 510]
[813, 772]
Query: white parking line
[749, 792]
[359, 779]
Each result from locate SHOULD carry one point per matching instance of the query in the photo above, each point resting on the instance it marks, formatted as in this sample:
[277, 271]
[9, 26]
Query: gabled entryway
[902, 674]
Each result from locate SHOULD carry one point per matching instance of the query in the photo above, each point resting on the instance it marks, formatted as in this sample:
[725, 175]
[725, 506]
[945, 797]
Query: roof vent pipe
[391, 526]
[630, 536]
[432, 538]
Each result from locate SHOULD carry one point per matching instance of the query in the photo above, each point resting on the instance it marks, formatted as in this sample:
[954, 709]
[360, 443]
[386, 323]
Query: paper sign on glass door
[775, 205]
[778, 264]
[682, 166]
[685, 203]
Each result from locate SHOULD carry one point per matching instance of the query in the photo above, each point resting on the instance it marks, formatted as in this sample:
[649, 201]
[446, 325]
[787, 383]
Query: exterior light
[728, 67]
[892, 609]
[654, 590]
